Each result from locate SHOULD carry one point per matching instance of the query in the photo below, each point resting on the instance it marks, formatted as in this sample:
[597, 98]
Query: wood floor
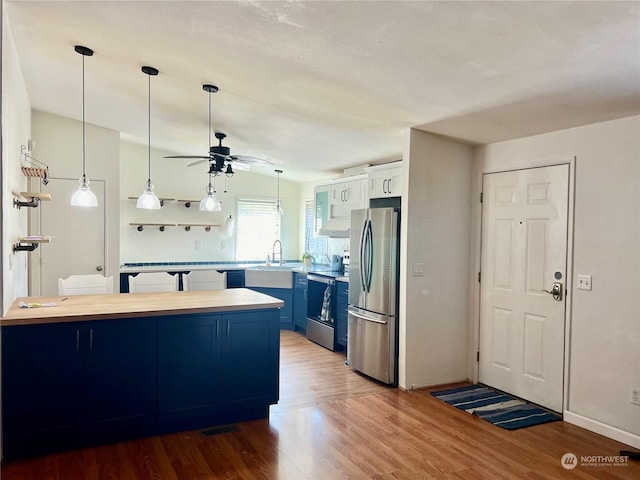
[332, 423]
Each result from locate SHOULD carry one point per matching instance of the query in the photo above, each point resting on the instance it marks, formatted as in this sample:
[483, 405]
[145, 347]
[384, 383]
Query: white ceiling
[320, 86]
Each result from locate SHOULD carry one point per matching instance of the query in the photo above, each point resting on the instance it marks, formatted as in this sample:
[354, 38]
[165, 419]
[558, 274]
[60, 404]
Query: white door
[524, 252]
[78, 243]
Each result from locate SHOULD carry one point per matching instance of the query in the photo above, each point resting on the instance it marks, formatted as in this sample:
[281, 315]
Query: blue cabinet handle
[77, 340]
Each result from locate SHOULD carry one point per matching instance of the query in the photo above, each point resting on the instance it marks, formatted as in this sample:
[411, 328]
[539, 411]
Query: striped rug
[496, 407]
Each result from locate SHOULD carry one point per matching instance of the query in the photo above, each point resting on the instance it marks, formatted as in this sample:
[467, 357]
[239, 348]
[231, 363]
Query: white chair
[153, 282]
[85, 285]
[204, 280]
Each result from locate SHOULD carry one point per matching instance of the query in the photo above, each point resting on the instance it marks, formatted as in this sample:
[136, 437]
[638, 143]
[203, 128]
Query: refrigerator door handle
[362, 273]
[368, 319]
[370, 256]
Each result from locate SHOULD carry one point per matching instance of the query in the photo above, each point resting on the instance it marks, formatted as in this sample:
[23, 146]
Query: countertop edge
[87, 307]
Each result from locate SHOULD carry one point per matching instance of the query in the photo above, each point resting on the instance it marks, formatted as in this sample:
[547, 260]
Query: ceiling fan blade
[250, 160]
[241, 166]
[198, 162]
[187, 156]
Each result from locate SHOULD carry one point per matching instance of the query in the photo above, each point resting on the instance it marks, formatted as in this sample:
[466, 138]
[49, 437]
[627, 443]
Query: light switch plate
[584, 282]
[418, 269]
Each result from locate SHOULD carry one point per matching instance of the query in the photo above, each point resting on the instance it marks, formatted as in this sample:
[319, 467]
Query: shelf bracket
[34, 202]
[22, 247]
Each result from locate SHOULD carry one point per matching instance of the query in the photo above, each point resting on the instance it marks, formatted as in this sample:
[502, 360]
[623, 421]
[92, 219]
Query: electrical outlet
[418, 269]
[584, 282]
[635, 395]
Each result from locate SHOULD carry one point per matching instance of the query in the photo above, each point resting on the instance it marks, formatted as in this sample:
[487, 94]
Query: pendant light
[210, 203]
[279, 209]
[83, 197]
[149, 200]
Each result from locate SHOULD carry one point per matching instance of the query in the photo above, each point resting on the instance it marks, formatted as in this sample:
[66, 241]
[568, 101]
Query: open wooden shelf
[30, 242]
[41, 196]
[33, 199]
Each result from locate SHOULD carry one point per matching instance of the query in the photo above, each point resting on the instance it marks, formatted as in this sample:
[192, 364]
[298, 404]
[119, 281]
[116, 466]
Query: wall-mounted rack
[161, 226]
[30, 243]
[187, 203]
[162, 200]
[207, 226]
[34, 199]
[32, 170]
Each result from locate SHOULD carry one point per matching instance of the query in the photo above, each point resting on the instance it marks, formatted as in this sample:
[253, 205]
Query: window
[258, 227]
[314, 244]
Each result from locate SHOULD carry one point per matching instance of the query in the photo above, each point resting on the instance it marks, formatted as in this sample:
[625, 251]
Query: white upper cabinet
[352, 193]
[385, 180]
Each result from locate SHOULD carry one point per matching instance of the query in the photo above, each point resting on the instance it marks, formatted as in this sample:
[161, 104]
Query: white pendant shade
[83, 196]
[227, 228]
[148, 200]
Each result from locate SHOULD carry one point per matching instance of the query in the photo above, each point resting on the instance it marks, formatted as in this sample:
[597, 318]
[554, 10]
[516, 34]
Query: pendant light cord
[209, 119]
[84, 153]
[149, 128]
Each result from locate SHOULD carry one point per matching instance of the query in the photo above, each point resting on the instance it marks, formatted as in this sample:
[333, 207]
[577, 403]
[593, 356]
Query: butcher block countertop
[129, 305]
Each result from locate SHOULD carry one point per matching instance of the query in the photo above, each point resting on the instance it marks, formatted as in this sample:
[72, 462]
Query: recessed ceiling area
[317, 87]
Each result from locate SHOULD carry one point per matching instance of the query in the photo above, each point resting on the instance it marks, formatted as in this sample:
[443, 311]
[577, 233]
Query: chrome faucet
[273, 252]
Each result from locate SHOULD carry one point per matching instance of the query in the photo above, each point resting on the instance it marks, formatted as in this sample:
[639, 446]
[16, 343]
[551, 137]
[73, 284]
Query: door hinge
[479, 277]
[477, 356]
[481, 196]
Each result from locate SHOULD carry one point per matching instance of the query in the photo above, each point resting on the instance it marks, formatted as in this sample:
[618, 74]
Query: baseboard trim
[602, 428]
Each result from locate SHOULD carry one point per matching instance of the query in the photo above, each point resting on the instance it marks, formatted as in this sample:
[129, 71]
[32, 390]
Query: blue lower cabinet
[286, 312]
[68, 385]
[76, 384]
[189, 367]
[300, 293]
[217, 368]
[250, 359]
[342, 317]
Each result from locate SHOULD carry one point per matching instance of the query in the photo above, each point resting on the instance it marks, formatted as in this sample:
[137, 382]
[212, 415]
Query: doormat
[499, 408]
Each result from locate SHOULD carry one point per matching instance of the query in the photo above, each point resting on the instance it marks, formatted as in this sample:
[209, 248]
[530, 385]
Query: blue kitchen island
[103, 368]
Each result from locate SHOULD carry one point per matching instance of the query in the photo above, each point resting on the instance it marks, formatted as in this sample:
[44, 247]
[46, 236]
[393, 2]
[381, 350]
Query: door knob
[99, 268]
[556, 291]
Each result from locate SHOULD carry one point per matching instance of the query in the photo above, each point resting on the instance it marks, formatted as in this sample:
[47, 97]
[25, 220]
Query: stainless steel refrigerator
[372, 346]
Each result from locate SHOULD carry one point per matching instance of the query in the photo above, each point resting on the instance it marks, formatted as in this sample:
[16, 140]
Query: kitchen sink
[272, 276]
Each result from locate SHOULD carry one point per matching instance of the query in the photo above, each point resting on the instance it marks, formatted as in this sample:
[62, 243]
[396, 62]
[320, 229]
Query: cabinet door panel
[120, 365]
[342, 318]
[188, 366]
[42, 377]
[300, 301]
[250, 358]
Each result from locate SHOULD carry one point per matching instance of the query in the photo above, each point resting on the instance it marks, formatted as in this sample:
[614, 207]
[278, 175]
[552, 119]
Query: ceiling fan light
[210, 203]
[148, 200]
[83, 196]
[229, 171]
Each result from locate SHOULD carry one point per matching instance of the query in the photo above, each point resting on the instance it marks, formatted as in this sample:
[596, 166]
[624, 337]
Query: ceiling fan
[220, 158]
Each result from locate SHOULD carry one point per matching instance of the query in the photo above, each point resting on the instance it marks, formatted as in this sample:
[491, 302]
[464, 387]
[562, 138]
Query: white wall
[435, 231]
[604, 355]
[58, 143]
[16, 120]
[173, 179]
